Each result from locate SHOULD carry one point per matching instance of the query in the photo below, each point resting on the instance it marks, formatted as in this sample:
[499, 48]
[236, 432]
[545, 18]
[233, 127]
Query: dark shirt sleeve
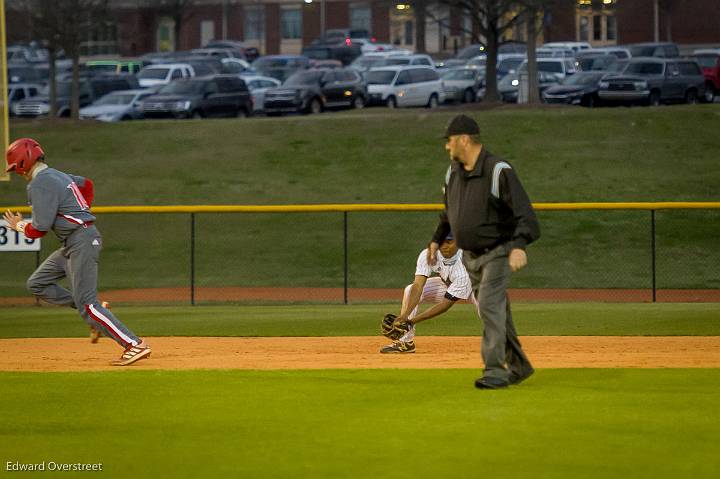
[442, 229]
[514, 196]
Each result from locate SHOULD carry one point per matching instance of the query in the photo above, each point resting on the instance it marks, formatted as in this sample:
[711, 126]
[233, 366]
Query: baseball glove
[391, 329]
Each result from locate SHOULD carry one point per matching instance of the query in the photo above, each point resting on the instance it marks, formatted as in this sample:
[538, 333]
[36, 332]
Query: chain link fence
[368, 256]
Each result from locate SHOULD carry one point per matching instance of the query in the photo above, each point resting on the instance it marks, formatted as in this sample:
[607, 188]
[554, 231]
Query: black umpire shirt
[486, 207]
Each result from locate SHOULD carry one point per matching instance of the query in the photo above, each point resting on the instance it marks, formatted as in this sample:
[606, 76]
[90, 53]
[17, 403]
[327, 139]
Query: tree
[491, 19]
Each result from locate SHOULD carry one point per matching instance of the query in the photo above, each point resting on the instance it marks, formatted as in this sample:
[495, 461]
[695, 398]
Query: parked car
[462, 84]
[314, 90]
[620, 52]
[91, 88]
[509, 87]
[20, 91]
[341, 35]
[26, 54]
[369, 46]
[117, 106]
[325, 64]
[662, 50]
[575, 46]
[653, 81]
[113, 66]
[280, 66]
[560, 67]
[579, 89]
[242, 50]
[236, 66]
[592, 60]
[200, 97]
[217, 52]
[342, 52]
[709, 61]
[258, 85]
[555, 53]
[400, 86]
[164, 73]
[404, 59]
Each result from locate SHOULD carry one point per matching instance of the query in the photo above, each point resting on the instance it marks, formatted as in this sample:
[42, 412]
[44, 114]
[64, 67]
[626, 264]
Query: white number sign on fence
[11, 240]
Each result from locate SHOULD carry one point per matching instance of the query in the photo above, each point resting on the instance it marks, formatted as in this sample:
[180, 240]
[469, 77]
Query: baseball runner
[441, 284]
[61, 202]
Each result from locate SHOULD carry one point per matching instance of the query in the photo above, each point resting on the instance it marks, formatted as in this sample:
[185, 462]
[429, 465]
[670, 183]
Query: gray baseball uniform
[58, 204]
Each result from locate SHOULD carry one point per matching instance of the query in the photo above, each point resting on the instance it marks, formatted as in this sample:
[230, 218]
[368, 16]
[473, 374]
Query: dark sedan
[312, 91]
[578, 89]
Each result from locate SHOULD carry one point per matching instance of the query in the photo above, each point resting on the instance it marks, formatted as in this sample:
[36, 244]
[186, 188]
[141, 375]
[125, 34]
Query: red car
[709, 61]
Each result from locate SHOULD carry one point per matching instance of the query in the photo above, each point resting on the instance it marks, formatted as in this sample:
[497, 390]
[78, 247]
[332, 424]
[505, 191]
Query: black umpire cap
[462, 125]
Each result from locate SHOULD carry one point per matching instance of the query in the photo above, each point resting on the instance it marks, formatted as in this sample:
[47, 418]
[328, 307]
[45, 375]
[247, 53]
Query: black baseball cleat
[518, 378]
[401, 347]
[490, 383]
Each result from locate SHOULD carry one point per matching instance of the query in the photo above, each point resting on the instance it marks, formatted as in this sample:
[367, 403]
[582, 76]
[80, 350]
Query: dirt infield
[183, 295]
[172, 353]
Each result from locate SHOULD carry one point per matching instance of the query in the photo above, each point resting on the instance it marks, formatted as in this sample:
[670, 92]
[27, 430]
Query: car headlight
[640, 85]
[604, 84]
[181, 105]
[515, 82]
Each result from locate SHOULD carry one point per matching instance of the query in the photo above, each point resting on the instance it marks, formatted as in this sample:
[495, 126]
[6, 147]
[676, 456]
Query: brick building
[285, 26]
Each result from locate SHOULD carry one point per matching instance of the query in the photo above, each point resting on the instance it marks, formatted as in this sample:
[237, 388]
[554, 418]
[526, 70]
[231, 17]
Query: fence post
[653, 248]
[192, 259]
[345, 256]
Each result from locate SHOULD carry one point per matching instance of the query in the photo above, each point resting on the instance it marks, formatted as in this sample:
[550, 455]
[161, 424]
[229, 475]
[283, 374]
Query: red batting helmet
[22, 154]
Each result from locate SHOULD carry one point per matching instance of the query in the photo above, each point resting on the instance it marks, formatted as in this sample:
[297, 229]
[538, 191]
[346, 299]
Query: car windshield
[153, 74]
[183, 88]
[366, 62]
[641, 51]
[470, 52]
[317, 53]
[644, 69]
[617, 67]
[267, 63]
[102, 68]
[460, 75]
[380, 77]
[116, 99]
[304, 78]
[583, 79]
[508, 64]
[478, 62]
[707, 61]
[396, 61]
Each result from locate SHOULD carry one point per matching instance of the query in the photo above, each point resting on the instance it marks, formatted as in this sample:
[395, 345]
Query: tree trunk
[531, 28]
[177, 29]
[491, 91]
[420, 18]
[75, 91]
[52, 74]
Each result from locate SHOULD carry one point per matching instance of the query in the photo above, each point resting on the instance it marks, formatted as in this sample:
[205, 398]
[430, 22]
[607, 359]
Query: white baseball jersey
[450, 270]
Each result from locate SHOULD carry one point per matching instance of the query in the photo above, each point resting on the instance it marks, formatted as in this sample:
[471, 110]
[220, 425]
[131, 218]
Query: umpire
[493, 221]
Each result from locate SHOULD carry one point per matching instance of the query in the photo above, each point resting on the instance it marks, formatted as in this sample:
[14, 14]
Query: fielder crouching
[441, 284]
[61, 202]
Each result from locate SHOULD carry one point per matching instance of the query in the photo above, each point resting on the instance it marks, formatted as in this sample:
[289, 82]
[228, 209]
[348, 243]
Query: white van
[560, 67]
[400, 86]
[575, 46]
[163, 73]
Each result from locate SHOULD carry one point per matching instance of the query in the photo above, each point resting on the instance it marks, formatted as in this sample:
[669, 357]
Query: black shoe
[518, 378]
[490, 383]
[401, 347]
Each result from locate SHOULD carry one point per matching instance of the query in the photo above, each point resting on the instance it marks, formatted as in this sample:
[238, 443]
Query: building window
[596, 22]
[207, 31]
[611, 28]
[597, 27]
[584, 32]
[254, 23]
[360, 17]
[291, 23]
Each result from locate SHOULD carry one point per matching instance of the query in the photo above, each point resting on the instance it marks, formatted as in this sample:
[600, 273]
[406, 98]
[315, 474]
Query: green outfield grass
[662, 154]
[364, 320]
[366, 424]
